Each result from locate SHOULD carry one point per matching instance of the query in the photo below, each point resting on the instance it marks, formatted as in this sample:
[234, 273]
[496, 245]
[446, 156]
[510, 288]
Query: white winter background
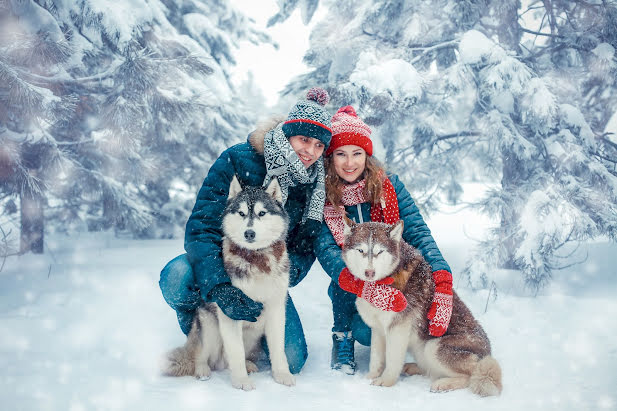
[83, 326]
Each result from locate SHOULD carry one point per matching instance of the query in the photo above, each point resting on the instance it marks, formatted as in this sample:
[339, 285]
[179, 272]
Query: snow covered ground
[83, 326]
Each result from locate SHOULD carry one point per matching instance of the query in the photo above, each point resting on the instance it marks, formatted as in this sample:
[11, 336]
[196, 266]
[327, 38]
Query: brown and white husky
[256, 260]
[460, 358]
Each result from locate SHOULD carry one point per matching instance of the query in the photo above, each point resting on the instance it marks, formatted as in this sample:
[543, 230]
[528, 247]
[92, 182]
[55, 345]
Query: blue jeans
[346, 317]
[181, 292]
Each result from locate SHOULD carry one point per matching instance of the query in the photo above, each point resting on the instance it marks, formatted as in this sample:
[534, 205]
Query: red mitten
[378, 293]
[441, 309]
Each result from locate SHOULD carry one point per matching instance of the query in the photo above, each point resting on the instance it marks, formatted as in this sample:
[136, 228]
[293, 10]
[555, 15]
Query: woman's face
[349, 162]
[307, 148]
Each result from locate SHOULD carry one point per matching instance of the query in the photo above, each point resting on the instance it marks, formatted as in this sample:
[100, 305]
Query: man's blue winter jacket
[203, 236]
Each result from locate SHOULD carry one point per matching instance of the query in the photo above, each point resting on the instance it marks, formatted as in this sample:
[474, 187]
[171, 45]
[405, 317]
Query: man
[289, 150]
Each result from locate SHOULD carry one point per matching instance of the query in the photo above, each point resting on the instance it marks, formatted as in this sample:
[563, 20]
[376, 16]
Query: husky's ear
[396, 232]
[274, 189]
[234, 188]
[347, 225]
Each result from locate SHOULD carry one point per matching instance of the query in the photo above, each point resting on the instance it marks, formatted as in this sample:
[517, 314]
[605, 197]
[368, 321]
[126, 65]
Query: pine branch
[492, 288]
[59, 80]
[81, 82]
[537, 33]
[38, 50]
[5, 247]
[530, 8]
[607, 141]
[567, 240]
[539, 29]
[74, 143]
[459, 134]
[21, 94]
[401, 153]
[551, 16]
[588, 5]
[427, 50]
[571, 253]
[31, 183]
[610, 160]
[446, 43]
[563, 267]
[190, 62]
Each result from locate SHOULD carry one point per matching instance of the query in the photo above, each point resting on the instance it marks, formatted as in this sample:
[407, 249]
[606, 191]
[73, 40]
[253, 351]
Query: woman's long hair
[374, 173]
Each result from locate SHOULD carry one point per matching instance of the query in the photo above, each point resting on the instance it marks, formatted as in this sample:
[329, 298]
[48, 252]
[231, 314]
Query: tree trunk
[510, 32]
[32, 222]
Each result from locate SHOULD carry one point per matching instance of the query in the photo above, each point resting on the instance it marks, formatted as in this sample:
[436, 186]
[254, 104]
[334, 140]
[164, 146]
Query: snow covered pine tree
[515, 97]
[110, 111]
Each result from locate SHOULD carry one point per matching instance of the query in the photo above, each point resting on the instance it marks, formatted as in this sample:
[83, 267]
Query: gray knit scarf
[283, 162]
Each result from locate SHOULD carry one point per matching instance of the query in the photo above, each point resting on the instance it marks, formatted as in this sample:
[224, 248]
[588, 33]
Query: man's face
[307, 148]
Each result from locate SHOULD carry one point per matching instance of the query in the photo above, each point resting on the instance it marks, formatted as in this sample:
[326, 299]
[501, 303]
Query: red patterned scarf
[385, 212]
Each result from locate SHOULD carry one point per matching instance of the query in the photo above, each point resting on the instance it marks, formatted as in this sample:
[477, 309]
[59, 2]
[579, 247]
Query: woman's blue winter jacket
[415, 233]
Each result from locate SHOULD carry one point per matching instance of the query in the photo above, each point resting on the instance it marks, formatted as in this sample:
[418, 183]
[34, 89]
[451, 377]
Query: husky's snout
[369, 274]
[249, 235]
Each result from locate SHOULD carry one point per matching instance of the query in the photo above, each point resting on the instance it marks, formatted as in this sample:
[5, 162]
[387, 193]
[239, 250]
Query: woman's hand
[441, 309]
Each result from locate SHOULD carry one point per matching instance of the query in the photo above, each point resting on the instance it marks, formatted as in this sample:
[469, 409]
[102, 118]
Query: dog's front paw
[202, 372]
[373, 374]
[284, 378]
[384, 381]
[243, 383]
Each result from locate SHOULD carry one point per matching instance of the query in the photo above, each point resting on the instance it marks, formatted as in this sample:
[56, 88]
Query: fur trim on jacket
[256, 138]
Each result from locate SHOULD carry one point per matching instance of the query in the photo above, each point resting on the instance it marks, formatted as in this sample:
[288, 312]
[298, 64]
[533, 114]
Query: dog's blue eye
[261, 213]
[361, 250]
[242, 213]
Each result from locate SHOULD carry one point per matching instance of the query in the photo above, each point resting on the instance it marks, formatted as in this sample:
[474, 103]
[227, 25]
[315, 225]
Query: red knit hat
[348, 129]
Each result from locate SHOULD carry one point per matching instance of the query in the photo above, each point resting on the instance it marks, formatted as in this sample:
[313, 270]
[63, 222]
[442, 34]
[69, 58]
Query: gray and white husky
[255, 257]
[460, 358]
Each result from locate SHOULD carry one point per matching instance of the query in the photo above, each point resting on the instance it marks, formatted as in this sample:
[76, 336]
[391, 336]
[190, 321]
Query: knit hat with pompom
[309, 117]
[348, 129]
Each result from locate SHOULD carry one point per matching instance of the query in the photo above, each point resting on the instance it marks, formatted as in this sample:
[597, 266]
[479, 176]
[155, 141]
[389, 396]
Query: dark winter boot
[343, 352]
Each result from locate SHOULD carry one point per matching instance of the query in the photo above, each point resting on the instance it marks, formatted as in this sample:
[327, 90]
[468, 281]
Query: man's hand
[234, 303]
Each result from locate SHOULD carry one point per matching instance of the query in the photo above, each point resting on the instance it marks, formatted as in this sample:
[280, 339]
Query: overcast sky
[272, 69]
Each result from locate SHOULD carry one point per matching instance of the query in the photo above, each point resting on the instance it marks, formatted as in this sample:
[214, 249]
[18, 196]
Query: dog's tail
[486, 377]
[178, 362]
[181, 361]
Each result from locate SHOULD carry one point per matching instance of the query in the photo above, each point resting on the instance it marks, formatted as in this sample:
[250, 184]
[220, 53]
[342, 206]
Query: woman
[357, 186]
